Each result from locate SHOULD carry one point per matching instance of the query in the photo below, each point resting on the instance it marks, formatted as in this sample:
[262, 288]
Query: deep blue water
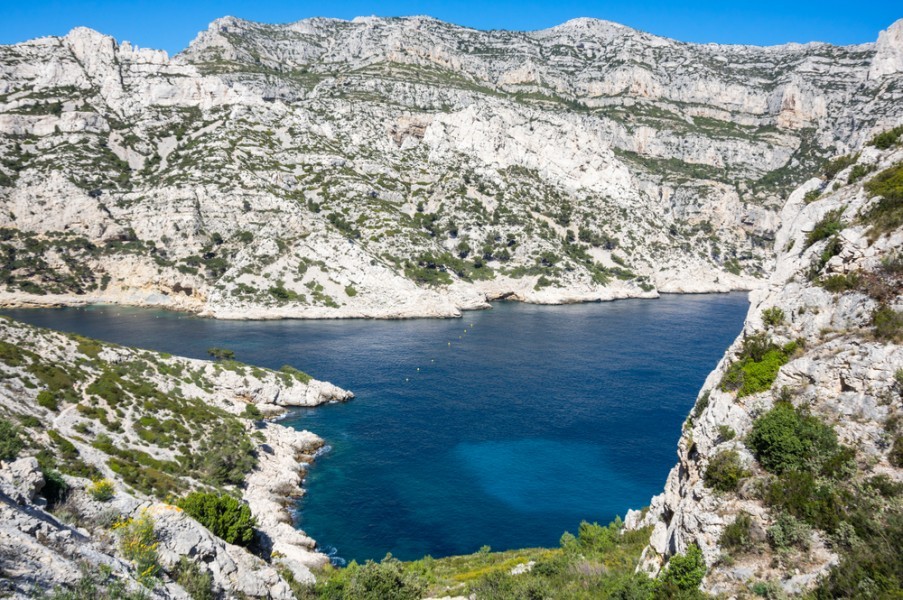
[504, 428]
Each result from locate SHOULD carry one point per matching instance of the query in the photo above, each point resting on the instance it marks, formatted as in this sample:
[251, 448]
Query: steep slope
[792, 460]
[405, 167]
[96, 439]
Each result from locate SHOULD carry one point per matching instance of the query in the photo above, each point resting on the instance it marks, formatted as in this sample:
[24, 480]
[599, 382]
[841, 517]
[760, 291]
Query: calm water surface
[504, 428]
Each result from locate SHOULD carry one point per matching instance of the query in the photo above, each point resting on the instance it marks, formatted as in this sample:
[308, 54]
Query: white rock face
[394, 168]
[888, 52]
[844, 374]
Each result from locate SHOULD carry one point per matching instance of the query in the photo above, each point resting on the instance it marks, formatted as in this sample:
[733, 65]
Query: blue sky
[171, 24]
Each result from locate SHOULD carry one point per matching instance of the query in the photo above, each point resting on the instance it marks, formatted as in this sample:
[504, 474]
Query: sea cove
[504, 428]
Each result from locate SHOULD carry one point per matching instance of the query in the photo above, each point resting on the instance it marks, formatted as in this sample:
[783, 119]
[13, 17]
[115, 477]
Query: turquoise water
[506, 434]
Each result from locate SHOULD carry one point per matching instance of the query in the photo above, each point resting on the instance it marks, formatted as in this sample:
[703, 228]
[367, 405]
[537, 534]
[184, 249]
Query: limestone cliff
[409, 167]
[74, 411]
[830, 320]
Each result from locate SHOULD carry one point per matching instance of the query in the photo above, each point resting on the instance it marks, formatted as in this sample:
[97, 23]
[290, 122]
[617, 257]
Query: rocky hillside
[790, 470]
[402, 167]
[100, 449]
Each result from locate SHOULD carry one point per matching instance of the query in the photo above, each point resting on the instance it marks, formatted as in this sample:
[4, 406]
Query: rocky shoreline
[480, 298]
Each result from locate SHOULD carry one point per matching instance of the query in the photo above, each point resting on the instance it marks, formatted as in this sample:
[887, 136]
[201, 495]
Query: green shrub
[194, 580]
[858, 172]
[818, 502]
[829, 225]
[726, 433]
[839, 164]
[840, 283]
[811, 196]
[737, 536]
[252, 412]
[789, 532]
[887, 215]
[773, 316]
[725, 471]
[138, 543]
[386, 580]
[895, 456]
[757, 366]
[295, 373]
[221, 354]
[225, 516]
[887, 139]
[888, 323]
[874, 569]
[350, 291]
[47, 399]
[102, 490]
[787, 438]
[227, 454]
[10, 441]
[686, 571]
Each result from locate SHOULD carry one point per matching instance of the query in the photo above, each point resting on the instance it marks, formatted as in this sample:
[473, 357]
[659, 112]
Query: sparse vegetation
[138, 544]
[102, 490]
[725, 471]
[829, 225]
[10, 440]
[887, 214]
[773, 316]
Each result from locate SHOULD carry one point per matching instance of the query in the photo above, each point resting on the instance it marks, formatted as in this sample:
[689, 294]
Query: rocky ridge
[408, 167]
[832, 312]
[154, 427]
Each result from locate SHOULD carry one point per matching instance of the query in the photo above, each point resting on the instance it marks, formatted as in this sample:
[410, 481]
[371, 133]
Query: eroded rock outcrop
[151, 428]
[832, 313]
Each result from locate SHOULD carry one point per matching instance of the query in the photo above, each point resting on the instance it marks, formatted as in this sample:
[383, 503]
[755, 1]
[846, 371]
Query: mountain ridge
[407, 167]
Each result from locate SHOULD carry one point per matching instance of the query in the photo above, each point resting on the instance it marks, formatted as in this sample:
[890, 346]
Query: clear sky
[171, 24]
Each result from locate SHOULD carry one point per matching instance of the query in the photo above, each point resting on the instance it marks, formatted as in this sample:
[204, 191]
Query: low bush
[226, 454]
[138, 544]
[252, 412]
[840, 283]
[726, 433]
[887, 139]
[102, 490]
[221, 354]
[196, 581]
[757, 366]
[11, 442]
[737, 536]
[385, 580]
[829, 225]
[818, 502]
[685, 571]
[789, 439]
[225, 516]
[773, 316]
[887, 214]
[48, 400]
[858, 172]
[888, 323]
[839, 164]
[725, 471]
[788, 532]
